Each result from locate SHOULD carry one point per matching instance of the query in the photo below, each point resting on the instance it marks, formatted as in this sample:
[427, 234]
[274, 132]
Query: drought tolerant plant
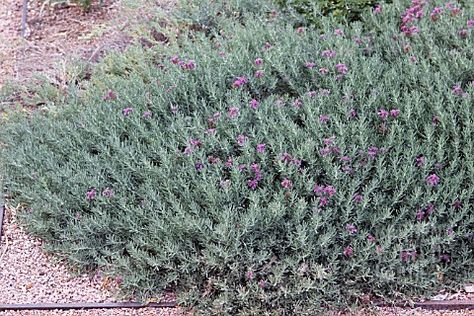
[265, 170]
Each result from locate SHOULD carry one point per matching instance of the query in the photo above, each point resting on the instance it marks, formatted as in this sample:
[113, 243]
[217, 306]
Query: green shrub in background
[85, 4]
[312, 10]
[261, 170]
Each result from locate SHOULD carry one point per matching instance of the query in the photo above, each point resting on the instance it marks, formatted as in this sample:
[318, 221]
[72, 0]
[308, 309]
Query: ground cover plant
[258, 168]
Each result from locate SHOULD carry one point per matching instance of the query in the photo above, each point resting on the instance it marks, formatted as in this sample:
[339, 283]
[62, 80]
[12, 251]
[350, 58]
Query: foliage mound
[260, 169]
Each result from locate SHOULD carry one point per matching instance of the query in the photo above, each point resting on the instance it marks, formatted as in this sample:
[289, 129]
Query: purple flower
[338, 32]
[434, 15]
[432, 179]
[194, 142]
[323, 71]
[430, 209]
[258, 61]
[90, 195]
[457, 204]
[351, 229]
[348, 251]
[190, 65]
[254, 104]
[383, 114]
[259, 74]
[297, 103]
[249, 275]
[108, 192]
[449, 231]
[213, 160]
[463, 33]
[347, 170]
[345, 159]
[329, 141]
[312, 94]
[147, 114]
[262, 284]
[300, 30]
[394, 113]
[457, 90]
[230, 162]
[252, 184]
[325, 151]
[233, 112]
[240, 81]
[127, 111]
[285, 157]
[241, 140]
[296, 162]
[188, 150]
[435, 120]
[255, 167]
[358, 198]
[241, 167]
[329, 190]
[267, 46]
[110, 95]
[199, 166]
[358, 40]
[328, 53]
[175, 59]
[353, 113]
[377, 9]
[287, 183]
[470, 24]
[318, 189]
[261, 148]
[404, 256]
[323, 201]
[420, 215]
[324, 118]
[370, 238]
[373, 151]
[420, 161]
[342, 68]
[310, 65]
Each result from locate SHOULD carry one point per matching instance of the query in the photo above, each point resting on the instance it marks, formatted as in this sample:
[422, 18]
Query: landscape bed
[258, 165]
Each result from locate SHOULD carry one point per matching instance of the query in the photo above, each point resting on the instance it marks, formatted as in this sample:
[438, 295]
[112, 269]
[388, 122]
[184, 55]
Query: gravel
[28, 275]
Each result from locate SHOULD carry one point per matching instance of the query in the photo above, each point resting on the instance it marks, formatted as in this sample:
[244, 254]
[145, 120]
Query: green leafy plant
[343, 9]
[259, 169]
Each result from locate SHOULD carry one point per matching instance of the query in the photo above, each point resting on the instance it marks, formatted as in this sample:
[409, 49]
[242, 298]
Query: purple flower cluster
[185, 65]
[240, 81]
[253, 183]
[413, 13]
[324, 193]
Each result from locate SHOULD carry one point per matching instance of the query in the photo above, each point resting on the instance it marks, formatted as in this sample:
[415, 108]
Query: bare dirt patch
[54, 33]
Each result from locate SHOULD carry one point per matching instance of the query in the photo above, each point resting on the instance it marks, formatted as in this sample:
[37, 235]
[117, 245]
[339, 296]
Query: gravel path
[27, 275]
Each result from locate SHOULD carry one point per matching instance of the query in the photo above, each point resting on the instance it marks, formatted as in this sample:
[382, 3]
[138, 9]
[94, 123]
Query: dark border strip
[435, 305]
[68, 306]
[2, 212]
